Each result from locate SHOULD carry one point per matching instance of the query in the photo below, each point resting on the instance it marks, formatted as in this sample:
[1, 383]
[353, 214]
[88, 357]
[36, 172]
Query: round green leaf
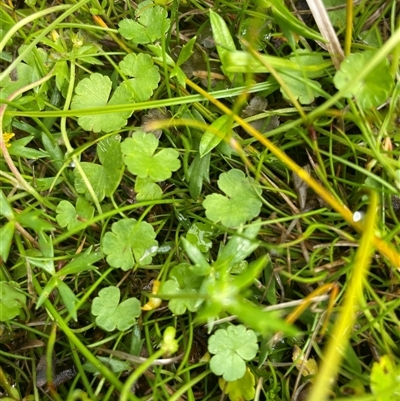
[11, 301]
[374, 89]
[129, 242]
[232, 346]
[111, 314]
[241, 203]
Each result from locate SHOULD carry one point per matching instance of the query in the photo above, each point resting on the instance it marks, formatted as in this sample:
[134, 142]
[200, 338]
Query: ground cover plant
[199, 200]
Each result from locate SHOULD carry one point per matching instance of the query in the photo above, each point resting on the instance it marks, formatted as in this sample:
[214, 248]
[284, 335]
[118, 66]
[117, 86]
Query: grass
[262, 200]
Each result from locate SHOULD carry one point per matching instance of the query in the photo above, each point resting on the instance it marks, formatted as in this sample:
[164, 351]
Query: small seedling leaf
[145, 75]
[46, 247]
[128, 243]
[146, 189]
[240, 246]
[290, 24]
[303, 89]
[5, 208]
[6, 236]
[115, 365]
[215, 134]
[224, 41]
[18, 148]
[104, 178]
[151, 24]
[241, 389]
[94, 92]
[202, 267]
[69, 298]
[231, 348]
[199, 234]
[241, 203]
[307, 366]
[199, 171]
[186, 52]
[385, 378]
[143, 162]
[71, 217]
[184, 285]
[32, 220]
[11, 301]
[81, 263]
[371, 91]
[111, 314]
[336, 12]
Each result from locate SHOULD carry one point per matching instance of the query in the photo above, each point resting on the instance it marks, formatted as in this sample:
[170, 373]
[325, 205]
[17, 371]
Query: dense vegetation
[199, 200]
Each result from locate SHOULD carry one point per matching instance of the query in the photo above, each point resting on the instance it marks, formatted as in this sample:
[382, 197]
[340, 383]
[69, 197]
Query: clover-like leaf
[336, 12]
[385, 379]
[151, 24]
[241, 389]
[111, 314]
[301, 83]
[303, 89]
[104, 178]
[128, 243]
[141, 160]
[70, 216]
[183, 284]
[94, 92]
[146, 189]
[11, 301]
[231, 348]
[241, 204]
[374, 89]
[145, 75]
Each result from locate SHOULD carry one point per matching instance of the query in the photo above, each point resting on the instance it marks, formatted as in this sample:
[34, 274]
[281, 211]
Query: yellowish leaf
[305, 366]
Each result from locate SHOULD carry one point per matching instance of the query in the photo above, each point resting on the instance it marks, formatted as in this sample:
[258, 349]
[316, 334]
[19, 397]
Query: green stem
[12, 392]
[349, 27]
[188, 385]
[126, 391]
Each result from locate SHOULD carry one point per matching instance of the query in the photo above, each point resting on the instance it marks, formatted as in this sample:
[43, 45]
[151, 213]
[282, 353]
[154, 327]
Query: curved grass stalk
[343, 327]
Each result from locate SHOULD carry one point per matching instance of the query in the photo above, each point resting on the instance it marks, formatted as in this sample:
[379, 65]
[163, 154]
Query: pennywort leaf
[151, 23]
[111, 314]
[182, 289]
[141, 159]
[231, 348]
[144, 73]
[241, 389]
[70, 216]
[94, 92]
[128, 243]
[11, 301]
[146, 189]
[374, 89]
[385, 378]
[241, 203]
